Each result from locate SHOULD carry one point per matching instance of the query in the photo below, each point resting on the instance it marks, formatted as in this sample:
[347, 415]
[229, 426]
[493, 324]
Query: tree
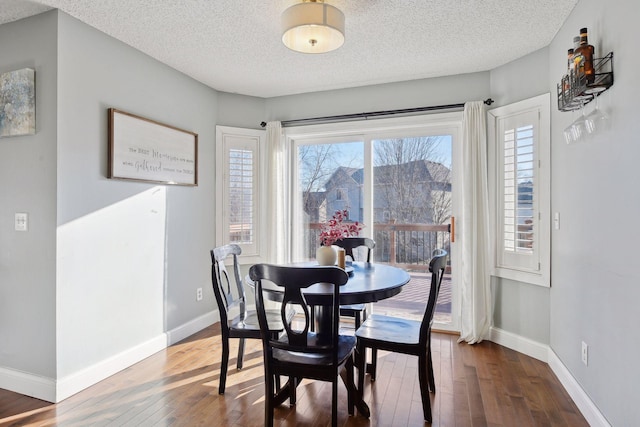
[316, 164]
[411, 181]
[412, 186]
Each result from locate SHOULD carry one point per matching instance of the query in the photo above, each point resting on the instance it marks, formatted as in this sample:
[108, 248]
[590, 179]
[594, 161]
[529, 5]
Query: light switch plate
[21, 221]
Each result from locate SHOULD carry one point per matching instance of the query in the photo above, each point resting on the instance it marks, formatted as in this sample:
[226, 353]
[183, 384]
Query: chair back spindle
[437, 266]
[351, 243]
[222, 281]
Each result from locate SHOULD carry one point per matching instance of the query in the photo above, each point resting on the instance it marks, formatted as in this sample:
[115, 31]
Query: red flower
[336, 229]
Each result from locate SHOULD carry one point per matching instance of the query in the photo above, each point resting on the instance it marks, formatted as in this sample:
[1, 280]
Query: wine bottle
[566, 81]
[574, 60]
[570, 61]
[576, 42]
[584, 54]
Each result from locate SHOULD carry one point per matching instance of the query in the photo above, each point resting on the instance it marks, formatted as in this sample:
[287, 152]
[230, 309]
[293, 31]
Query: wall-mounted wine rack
[574, 90]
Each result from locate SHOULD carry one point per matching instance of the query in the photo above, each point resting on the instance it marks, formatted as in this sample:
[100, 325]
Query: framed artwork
[18, 103]
[144, 150]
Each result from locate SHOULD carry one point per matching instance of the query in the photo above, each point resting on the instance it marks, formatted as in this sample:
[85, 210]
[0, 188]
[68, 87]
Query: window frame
[535, 270]
[229, 138]
[366, 131]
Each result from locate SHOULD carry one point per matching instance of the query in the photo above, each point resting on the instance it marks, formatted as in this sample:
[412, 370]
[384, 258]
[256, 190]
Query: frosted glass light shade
[313, 27]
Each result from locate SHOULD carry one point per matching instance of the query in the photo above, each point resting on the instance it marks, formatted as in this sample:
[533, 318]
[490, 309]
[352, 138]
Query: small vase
[326, 255]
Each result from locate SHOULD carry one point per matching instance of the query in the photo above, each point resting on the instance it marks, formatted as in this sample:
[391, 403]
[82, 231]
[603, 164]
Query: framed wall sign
[144, 150]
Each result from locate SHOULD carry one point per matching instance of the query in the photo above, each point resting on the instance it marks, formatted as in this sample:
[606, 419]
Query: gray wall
[28, 184]
[523, 78]
[411, 94]
[240, 110]
[595, 275]
[106, 265]
[520, 308]
[594, 278]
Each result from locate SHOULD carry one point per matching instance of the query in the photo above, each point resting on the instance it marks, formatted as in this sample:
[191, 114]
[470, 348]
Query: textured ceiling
[234, 45]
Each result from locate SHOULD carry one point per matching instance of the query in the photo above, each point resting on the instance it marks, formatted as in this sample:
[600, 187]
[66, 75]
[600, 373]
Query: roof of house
[422, 170]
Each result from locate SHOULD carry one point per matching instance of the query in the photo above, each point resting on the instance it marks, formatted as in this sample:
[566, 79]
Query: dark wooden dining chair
[245, 323]
[300, 353]
[357, 311]
[405, 336]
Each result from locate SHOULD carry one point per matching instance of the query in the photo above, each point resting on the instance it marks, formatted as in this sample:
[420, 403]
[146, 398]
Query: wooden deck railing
[407, 246]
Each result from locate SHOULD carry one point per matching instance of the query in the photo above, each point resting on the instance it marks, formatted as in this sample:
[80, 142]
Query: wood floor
[480, 385]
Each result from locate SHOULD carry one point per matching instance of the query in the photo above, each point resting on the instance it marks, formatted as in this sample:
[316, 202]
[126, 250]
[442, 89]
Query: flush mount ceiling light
[313, 27]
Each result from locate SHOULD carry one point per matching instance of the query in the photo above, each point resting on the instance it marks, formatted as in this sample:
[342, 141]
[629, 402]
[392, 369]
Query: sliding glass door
[397, 180]
[412, 200]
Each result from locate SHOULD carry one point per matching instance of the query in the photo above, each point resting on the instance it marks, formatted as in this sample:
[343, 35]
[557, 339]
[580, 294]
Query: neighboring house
[343, 190]
[413, 192]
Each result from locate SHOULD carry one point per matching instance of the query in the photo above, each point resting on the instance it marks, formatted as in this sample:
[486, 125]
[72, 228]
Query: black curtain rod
[344, 117]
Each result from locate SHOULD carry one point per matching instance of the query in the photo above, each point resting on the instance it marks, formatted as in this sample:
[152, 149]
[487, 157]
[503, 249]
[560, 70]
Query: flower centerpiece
[335, 229]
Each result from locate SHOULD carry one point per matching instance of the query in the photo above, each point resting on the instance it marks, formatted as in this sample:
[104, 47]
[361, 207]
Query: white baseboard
[50, 390]
[91, 375]
[28, 384]
[588, 409]
[191, 327]
[544, 353]
[520, 344]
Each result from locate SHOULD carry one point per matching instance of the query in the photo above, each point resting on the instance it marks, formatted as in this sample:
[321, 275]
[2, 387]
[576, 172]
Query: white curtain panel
[474, 238]
[278, 218]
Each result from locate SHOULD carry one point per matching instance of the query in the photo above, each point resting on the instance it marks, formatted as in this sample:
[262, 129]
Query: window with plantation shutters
[520, 188]
[238, 186]
[240, 182]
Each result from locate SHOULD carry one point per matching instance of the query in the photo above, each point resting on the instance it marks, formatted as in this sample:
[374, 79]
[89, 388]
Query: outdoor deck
[412, 300]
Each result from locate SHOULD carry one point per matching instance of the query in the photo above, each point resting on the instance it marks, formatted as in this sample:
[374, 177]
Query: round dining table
[368, 282]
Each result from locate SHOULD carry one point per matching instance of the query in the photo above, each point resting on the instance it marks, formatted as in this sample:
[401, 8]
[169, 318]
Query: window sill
[532, 278]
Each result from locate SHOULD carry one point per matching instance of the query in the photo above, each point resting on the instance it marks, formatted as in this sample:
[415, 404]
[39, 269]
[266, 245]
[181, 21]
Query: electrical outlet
[585, 353]
[199, 294]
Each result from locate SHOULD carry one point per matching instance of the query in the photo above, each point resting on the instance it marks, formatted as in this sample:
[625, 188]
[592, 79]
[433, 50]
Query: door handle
[452, 230]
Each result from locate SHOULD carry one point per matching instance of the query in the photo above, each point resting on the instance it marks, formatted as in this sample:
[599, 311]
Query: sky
[352, 154]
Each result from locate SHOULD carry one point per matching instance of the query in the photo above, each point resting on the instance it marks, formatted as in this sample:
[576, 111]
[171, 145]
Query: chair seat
[392, 330]
[312, 365]
[250, 321]
[344, 309]
[346, 344]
